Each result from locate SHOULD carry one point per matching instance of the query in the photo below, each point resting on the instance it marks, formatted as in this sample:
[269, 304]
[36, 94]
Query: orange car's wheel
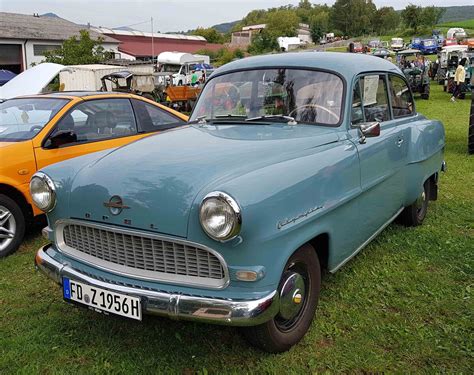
[12, 226]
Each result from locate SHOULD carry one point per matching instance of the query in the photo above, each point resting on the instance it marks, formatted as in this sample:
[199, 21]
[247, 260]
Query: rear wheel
[299, 294]
[414, 214]
[12, 226]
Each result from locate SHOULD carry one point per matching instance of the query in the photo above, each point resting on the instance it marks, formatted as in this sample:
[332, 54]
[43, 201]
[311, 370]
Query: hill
[458, 13]
[225, 27]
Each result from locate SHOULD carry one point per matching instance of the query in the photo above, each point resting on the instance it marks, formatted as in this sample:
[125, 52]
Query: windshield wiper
[291, 120]
[231, 115]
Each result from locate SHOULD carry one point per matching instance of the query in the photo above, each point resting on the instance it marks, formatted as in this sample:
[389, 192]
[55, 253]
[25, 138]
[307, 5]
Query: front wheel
[414, 214]
[299, 293]
[12, 226]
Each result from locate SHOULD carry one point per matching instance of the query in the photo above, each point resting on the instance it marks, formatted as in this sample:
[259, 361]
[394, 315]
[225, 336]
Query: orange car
[39, 130]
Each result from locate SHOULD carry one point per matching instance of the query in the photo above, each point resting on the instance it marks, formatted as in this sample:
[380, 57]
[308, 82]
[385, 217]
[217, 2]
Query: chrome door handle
[399, 142]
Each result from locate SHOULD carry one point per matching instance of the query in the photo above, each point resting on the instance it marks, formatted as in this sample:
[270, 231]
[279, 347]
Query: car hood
[159, 177]
[31, 81]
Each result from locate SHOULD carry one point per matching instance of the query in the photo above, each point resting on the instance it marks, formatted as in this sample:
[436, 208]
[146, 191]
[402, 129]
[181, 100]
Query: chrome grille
[141, 254]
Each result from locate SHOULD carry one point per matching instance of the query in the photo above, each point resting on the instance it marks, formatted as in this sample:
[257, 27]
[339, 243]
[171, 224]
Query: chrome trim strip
[104, 265]
[179, 306]
[386, 224]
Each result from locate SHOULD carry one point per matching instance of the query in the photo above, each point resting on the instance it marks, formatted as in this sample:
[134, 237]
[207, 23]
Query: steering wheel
[315, 106]
[36, 128]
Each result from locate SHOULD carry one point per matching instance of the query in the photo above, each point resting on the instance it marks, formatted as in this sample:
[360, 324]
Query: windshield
[170, 68]
[22, 119]
[429, 42]
[308, 96]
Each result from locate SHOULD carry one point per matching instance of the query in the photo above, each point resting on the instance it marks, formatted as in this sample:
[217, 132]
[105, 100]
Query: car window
[152, 118]
[23, 118]
[357, 113]
[97, 120]
[312, 97]
[374, 98]
[401, 98]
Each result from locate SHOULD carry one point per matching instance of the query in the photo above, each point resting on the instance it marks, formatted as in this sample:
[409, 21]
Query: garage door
[10, 57]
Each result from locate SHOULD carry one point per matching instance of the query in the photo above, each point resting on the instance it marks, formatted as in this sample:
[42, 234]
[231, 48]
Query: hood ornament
[115, 205]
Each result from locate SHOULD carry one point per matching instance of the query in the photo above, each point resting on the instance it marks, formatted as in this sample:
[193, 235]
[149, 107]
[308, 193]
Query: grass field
[402, 305]
[466, 24]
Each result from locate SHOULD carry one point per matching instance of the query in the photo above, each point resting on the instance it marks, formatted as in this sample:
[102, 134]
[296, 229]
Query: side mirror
[368, 130]
[62, 137]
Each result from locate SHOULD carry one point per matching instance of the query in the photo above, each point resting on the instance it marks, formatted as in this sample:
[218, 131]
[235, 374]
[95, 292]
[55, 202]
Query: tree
[282, 23]
[211, 35]
[263, 42]
[431, 15]
[353, 17]
[78, 51]
[319, 24]
[412, 16]
[386, 19]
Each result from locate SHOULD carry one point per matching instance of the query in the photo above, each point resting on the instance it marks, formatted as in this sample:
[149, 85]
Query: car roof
[81, 94]
[346, 64]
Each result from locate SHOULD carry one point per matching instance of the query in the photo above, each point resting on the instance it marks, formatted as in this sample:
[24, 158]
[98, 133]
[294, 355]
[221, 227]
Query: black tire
[445, 88]
[9, 209]
[426, 92]
[414, 214]
[180, 83]
[280, 334]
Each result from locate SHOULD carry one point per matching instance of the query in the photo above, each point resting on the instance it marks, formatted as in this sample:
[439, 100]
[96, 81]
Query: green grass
[402, 305]
[466, 24]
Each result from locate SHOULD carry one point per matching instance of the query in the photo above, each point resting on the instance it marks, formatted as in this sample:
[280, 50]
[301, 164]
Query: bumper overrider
[176, 306]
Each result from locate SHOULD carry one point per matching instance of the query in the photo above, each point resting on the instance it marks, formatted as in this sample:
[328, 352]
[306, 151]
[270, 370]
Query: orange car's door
[90, 126]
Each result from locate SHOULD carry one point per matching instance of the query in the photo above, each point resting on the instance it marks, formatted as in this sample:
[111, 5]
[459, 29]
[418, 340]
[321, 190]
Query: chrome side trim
[135, 272]
[178, 306]
[377, 232]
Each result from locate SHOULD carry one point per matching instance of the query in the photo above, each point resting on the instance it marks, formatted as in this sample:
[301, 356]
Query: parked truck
[180, 66]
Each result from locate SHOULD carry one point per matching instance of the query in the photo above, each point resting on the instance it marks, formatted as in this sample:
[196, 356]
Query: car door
[97, 124]
[380, 157]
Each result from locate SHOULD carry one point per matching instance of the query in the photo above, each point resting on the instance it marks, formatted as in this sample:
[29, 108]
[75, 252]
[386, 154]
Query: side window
[357, 113]
[152, 118]
[374, 93]
[401, 98]
[97, 120]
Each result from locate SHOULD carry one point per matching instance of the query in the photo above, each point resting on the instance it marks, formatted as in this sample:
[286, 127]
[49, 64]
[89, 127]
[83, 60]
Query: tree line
[351, 18]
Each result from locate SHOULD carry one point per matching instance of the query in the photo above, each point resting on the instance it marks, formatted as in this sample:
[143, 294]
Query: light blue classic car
[290, 164]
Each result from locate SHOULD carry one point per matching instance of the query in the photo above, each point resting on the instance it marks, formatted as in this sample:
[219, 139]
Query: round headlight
[220, 216]
[43, 192]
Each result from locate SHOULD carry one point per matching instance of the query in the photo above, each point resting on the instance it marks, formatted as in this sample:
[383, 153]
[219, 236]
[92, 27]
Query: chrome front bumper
[177, 306]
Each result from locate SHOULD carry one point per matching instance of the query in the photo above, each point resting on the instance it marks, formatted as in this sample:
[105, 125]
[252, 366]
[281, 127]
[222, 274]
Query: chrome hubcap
[292, 296]
[421, 200]
[7, 227]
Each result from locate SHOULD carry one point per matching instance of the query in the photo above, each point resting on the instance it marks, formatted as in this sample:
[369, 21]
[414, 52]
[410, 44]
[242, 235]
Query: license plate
[102, 300]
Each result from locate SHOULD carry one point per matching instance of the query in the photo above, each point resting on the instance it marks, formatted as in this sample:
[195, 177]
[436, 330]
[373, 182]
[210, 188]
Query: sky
[170, 15]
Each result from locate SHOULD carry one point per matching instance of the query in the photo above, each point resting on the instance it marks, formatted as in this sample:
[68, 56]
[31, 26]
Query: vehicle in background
[384, 53]
[450, 42]
[5, 76]
[453, 58]
[36, 131]
[142, 84]
[32, 81]
[457, 33]
[180, 66]
[355, 47]
[88, 77]
[469, 42]
[288, 43]
[416, 69]
[428, 46]
[234, 218]
[438, 36]
[415, 43]
[446, 54]
[396, 44]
